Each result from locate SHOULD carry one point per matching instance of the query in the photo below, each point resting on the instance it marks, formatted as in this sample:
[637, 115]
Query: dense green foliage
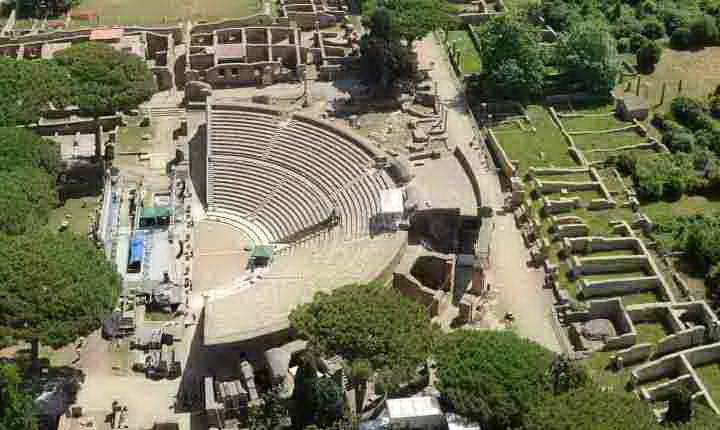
[93, 76]
[493, 377]
[512, 59]
[22, 148]
[53, 287]
[588, 57]
[386, 59]
[26, 198]
[590, 408]
[316, 401]
[28, 87]
[413, 19]
[370, 322]
[42, 8]
[106, 80]
[17, 410]
[665, 176]
[648, 56]
[28, 171]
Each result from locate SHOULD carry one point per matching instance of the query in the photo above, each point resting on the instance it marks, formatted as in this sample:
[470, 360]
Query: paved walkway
[516, 287]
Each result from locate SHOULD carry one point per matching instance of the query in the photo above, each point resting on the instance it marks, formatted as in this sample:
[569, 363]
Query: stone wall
[601, 244]
[617, 287]
[681, 340]
[613, 264]
[499, 155]
[634, 354]
[466, 158]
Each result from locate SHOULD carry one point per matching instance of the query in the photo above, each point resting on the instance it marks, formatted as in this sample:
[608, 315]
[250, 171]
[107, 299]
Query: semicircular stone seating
[273, 178]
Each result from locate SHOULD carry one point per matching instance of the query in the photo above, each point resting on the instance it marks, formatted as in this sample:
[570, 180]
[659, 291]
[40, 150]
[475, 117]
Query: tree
[316, 401]
[513, 59]
[385, 58]
[492, 377]
[566, 375]
[22, 148]
[106, 80]
[680, 406]
[28, 87]
[369, 322]
[681, 38]
[54, 287]
[648, 56]
[653, 29]
[703, 31]
[413, 19]
[588, 57]
[26, 198]
[17, 410]
[590, 408]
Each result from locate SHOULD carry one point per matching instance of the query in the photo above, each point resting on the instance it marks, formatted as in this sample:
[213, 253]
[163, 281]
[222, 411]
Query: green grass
[469, 57]
[542, 148]
[593, 123]
[168, 11]
[78, 211]
[710, 375]
[650, 332]
[158, 316]
[640, 298]
[614, 253]
[686, 206]
[588, 142]
[572, 177]
[585, 196]
[130, 139]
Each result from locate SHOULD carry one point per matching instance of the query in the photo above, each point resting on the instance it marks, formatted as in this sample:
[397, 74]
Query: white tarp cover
[415, 412]
[391, 201]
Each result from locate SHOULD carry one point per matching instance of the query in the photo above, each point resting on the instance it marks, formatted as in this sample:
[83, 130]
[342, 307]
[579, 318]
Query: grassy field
[546, 146]
[687, 205]
[168, 11]
[699, 71]
[469, 57]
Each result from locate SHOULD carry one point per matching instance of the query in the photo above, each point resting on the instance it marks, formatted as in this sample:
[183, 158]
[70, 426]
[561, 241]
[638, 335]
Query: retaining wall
[617, 287]
[499, 155]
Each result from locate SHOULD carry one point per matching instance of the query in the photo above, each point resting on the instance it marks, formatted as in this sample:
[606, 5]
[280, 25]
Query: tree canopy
[493, 377]
[20, 147]
[413, 19]
[28, 87]
[26, 198]
[512, 59]
[106, 80]
[369, 322]
[588, 57]
[53, 287]
[17, 410]
[590, 408]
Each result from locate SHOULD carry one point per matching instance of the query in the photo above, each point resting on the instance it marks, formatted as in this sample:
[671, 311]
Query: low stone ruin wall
[580, 266]
[499, 155]
[617, 287]
[556, 171]
[555, 206]
[571, 230]
[663, 391]
[466, 160]
[570, 186]
[634, 354]
[613, 310]
[681, 340]
[590, 244]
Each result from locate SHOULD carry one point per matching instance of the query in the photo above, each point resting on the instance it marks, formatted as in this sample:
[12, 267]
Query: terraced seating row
[288, 176]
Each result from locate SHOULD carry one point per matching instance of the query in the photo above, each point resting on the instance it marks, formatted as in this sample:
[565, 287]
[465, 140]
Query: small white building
[415, 413]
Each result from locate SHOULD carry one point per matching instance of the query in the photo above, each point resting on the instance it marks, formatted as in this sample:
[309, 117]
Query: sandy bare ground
[515, 287]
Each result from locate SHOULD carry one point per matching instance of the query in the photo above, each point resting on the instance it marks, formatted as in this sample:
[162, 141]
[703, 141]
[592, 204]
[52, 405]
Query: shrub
[623, 45]
[661, 176]
[648, 56]
[678, 140]
[680, 38]
[708, 138]
[674, 19]
[625, 163]
[686, 110]
[715, 106]
[703, 31]
[637, 41]
[653, 29]
[492, 376]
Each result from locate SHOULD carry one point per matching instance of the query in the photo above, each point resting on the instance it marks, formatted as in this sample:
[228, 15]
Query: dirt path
[516, 287]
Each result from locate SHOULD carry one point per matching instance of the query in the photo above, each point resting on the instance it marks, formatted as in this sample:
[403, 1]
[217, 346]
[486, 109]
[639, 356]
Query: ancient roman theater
[300, 205]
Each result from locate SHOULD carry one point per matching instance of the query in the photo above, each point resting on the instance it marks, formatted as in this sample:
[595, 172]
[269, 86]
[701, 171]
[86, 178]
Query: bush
[648, 56]
[27, 196]
[492, 377]
[703, 31]
[625, 163]
[637, 41]
[715, 106]
[680, 38]
[665, 176]
[678, 141]
[653, 29]
[687, 111]
[708, 138]
[675, 19]
[623, 45]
